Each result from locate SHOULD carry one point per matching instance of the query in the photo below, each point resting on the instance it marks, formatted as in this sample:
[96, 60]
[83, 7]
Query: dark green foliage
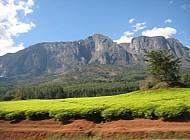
[92, 114]
[37, 115]
[68, 115]
[185, 79]
[70, 90]
[174, 112]
[160, 85]
[98, 89]
[2, 114]
[84, 81]
[145, 111]
[146, 85]
[16, 115]
[163, 66]
[7, 97]
[151, 83]
[42, 92]
[117, 113]
[4, 88]
[104, 73]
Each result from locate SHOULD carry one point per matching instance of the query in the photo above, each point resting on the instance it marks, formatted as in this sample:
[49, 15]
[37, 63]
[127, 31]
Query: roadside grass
[140, 135]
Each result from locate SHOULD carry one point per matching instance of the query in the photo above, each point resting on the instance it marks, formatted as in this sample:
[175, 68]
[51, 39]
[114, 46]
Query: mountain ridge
[60, 57]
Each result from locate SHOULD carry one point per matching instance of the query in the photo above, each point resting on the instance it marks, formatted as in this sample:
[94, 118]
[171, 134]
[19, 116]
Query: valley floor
[83, 129]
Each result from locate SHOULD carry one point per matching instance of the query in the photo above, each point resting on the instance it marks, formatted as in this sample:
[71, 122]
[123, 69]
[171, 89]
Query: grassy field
[172, 104]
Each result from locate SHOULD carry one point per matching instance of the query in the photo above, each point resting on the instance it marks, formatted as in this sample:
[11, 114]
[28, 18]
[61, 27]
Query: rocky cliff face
[140, 45]
[59, 57]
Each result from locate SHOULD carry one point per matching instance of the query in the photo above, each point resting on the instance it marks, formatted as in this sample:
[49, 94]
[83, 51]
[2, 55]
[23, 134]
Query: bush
[146, 111]
[67, 115]
[2, 114]
[151, 83]
[53, 113]
[174, 112]
[147, 84]
[37, 115]
[117, 113]
[124, 113]
[161, 85]
[92, 114]
[185, 80]
[8, 98]
[17, 115]
[64, 115]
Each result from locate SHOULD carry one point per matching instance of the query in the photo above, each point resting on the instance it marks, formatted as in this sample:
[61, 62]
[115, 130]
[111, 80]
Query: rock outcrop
[60, 57]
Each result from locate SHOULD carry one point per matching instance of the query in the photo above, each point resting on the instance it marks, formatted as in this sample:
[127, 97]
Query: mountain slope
[60, 57]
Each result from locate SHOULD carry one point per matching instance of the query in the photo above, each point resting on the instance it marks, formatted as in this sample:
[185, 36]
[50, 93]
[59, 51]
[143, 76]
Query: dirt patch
[138, 128]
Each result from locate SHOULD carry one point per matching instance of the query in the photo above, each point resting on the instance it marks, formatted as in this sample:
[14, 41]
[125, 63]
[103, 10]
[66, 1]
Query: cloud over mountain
[125, 38]
[166, 32]
[129, 35]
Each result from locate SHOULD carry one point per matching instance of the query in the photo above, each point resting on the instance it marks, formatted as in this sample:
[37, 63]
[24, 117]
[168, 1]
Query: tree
[185, 79]
[163, 66]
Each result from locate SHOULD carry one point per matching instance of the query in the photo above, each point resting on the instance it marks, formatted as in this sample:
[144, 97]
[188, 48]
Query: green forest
[84, 81]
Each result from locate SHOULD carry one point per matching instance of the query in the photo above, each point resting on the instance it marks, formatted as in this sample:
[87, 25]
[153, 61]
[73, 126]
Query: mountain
[60, 57]
[140, 45]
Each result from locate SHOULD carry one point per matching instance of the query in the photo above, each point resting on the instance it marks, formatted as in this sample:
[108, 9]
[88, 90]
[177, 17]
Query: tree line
[68, 91]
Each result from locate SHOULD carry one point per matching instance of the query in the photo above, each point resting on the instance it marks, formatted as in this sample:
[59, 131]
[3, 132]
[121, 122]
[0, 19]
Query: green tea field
[171, 104]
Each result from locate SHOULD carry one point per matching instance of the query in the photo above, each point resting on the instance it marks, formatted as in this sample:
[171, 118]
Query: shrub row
[173, 112]
[19, 115]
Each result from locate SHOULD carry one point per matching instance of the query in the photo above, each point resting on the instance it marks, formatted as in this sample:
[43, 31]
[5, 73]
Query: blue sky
[69, 20]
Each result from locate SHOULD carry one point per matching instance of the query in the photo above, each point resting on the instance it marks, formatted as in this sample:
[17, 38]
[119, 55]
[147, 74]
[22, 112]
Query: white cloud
[131, 20]
[12, 23]
[185, 6]
[21, 28]
[166, 32]
[125, 38]
[139, 26]
[30, 3]
[7, 45]
[129, 35]
[168, 20]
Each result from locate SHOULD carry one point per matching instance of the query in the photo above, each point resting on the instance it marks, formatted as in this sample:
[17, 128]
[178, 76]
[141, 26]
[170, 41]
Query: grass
[168, 104]
[154, 135]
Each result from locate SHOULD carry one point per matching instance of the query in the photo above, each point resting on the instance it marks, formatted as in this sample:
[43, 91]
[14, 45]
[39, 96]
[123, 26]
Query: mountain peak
[147, 37]
[98, 35]
[59, 57]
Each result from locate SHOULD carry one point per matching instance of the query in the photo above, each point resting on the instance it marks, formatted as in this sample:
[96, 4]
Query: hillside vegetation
[83, 81]
[172, 104]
